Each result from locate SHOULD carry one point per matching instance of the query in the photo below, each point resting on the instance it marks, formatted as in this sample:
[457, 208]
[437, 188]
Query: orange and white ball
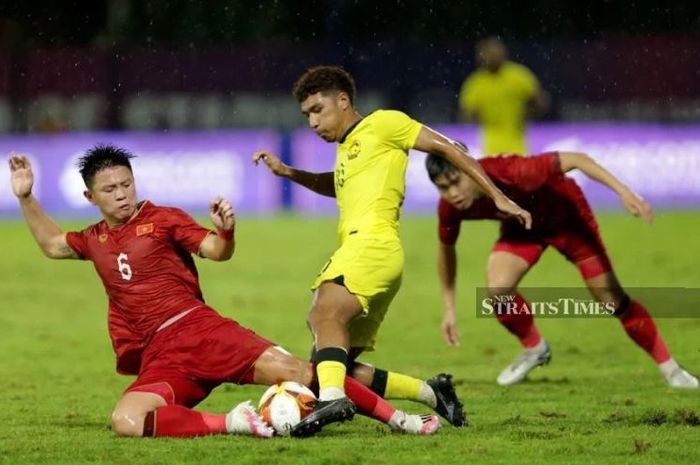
[283, 405]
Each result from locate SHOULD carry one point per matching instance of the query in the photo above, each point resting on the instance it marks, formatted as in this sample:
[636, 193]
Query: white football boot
[243, 419]
[681, 379]
[415, 424]
[524, 364]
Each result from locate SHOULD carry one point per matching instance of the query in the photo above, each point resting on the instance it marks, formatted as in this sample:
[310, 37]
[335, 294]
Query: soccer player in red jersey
[562, 219]
[161, 328]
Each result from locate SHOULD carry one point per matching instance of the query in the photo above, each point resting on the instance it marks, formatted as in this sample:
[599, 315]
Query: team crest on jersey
[102, 238]
[354, 150]
[143, 229]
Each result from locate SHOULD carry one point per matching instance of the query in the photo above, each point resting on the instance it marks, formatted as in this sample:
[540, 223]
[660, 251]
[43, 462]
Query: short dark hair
[324, 79]
[438, 166]
[100, 157]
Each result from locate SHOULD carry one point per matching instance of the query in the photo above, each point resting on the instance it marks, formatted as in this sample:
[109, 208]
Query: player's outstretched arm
[321, 183]
[539, 103]
[220, 247]
[47, 234]
[588, 166]
[447, 270]
[433, 142]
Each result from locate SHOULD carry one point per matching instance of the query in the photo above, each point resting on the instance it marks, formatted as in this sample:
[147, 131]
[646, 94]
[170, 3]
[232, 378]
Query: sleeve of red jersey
[531, 173]
[185, 231]
[449, 223]
[77, 240]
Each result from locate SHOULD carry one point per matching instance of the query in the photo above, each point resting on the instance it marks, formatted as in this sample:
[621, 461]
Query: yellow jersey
[500, 103]
[370, 172]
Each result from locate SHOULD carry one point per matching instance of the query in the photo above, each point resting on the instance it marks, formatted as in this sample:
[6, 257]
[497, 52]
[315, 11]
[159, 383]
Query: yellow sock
[331, 374]
[400, 386]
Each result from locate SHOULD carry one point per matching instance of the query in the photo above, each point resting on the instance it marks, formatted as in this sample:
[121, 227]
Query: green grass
[600, 401]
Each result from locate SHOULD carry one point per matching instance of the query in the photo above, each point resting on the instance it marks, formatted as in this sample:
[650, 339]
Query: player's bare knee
[497, 284]
[326, 308]
[127, 423]
[363, 372]
[322, 314]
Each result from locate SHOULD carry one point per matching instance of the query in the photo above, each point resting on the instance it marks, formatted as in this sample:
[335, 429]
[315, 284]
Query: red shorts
[579, 241]
[186, 360]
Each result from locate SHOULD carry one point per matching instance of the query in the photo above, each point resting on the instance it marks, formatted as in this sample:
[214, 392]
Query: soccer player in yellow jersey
[500, 96]
[354, 289]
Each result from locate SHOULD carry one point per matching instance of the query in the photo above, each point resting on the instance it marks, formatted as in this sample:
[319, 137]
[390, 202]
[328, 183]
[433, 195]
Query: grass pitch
[600, 401]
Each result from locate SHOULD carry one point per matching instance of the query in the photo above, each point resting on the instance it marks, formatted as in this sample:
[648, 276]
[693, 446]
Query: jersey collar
[349, 130]
[139, 208]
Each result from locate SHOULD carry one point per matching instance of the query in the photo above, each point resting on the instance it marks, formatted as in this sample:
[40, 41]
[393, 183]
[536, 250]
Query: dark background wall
[186, 64]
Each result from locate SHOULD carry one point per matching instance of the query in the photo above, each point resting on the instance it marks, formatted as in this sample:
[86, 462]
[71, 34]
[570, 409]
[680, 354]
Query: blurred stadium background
[195, 87]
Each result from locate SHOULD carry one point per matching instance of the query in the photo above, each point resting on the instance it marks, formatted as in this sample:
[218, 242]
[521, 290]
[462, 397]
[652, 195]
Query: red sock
[521, 324]
[642, 330]
[178, 421]
[368, 403]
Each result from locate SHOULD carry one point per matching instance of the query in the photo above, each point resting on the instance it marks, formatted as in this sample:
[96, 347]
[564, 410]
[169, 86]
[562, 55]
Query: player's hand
[511, 208]
[450, 333]
[272, 161]
[222, 214]
[21, 175]
[637, 205]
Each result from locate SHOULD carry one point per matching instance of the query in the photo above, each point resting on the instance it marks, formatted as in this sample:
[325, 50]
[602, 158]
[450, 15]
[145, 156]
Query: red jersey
[536, 183]
[148, 273]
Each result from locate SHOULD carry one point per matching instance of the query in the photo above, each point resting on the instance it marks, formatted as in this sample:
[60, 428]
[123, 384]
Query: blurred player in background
[354, 289]
[500, 96]
[562, 219]
[161, 329]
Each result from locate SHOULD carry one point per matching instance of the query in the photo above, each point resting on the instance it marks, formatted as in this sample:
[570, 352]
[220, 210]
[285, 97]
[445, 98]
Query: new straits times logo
[508, 304]
[661, 302]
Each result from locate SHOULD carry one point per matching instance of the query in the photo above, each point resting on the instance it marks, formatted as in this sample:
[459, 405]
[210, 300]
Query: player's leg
[583, 245]
[276, 365]
[149, 409]
[507, 264]
[437, 392]
[179, 368]
[360, 274]
[636, 321]
[332, 310]
[130, 412]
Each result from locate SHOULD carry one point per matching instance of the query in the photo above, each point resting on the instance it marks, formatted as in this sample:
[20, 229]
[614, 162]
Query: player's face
[114, 193]
[325, 112]
[456, 188]
[491, 55]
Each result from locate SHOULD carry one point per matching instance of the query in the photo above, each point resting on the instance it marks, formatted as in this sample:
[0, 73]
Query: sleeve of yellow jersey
[397, 129]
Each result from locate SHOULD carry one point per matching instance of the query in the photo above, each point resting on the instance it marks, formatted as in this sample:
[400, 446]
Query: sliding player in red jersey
[562, 219]
[161, 328]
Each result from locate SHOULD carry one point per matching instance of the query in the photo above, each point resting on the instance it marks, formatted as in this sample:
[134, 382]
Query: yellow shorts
[371, 270]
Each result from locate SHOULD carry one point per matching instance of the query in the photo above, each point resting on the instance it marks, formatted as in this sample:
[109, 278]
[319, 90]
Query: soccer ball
[283, 405]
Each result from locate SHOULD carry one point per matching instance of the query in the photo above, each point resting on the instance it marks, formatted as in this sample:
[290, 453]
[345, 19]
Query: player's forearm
[538, 104]
[589, 167]
[474, 170]
[447, 270]
[42, 227]
[321, 183]
[222, 247]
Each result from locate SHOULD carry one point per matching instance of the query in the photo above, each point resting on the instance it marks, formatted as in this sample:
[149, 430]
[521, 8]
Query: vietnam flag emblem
[143, 229]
